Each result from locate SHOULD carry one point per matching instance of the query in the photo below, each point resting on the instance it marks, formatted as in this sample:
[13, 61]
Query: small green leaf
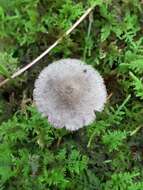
[105, 32]
[4, 71]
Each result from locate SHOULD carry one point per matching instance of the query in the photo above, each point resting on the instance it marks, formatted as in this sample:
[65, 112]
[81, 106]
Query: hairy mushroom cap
[69, 92]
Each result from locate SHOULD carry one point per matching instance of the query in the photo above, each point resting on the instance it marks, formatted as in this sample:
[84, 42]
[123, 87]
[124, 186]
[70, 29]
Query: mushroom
[69, 92]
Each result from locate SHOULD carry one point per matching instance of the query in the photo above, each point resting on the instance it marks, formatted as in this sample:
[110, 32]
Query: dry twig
[22, 70]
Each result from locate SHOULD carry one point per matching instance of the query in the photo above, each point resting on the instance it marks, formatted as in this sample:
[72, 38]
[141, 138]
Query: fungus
[68, 92]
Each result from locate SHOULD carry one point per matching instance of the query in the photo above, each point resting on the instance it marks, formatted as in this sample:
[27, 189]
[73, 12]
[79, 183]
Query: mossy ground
[109, 153]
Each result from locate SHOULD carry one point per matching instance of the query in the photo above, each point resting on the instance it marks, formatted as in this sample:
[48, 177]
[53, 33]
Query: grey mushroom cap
[68, 92]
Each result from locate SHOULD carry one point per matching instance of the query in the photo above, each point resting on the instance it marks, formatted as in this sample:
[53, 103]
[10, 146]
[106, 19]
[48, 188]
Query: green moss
[105, 155]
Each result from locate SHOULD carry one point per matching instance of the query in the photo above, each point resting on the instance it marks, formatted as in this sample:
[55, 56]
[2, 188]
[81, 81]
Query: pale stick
[22, 70]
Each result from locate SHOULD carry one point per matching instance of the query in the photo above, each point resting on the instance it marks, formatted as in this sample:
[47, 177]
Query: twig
[109, 96]
[118, 110]
[22, 70]
[4, 82]
[136, 130]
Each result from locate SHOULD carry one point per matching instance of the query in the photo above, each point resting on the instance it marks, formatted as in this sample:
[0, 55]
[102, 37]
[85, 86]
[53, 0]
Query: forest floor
[105, 155]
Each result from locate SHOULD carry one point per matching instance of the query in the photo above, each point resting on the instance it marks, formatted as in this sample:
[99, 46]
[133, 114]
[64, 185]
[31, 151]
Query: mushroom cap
[69, 92]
